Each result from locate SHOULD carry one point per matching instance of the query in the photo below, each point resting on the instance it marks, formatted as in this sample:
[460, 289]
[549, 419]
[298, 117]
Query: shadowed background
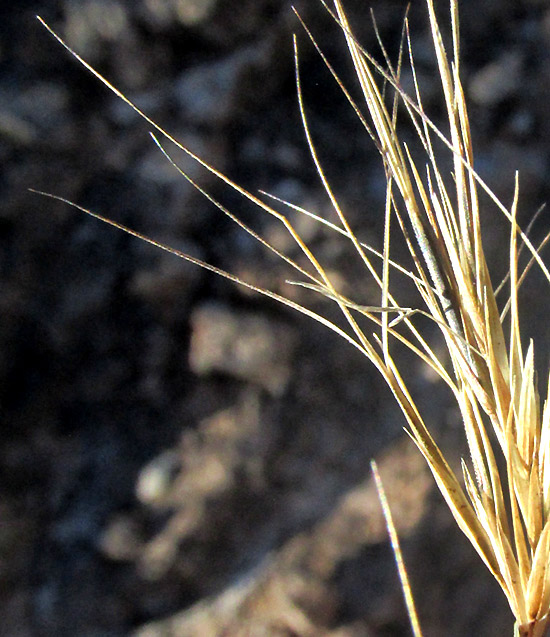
[179, 457]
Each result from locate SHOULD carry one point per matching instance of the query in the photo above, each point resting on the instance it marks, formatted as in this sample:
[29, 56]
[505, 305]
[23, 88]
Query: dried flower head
[502, 500]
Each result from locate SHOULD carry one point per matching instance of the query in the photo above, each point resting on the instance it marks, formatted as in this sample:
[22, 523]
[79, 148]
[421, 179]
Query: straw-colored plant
[502, 500]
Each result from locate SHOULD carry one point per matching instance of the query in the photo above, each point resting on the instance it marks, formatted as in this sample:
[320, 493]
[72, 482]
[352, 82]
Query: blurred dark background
[178, 456]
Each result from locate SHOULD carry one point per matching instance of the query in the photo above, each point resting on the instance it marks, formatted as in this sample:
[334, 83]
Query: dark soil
[179, 456]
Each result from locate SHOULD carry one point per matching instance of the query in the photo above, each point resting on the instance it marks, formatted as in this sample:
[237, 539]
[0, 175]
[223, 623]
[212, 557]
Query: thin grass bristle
[501, 502]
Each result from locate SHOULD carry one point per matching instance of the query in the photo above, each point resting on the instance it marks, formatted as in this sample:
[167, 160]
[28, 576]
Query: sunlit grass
[501, 502]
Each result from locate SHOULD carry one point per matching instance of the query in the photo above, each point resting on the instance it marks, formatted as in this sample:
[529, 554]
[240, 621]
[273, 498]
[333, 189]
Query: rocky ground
[178, 456]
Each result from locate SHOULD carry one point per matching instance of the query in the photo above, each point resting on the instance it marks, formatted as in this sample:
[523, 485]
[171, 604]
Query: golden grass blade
[386, 271]
[487, 458]
[207, 266]
[235, 219]
[320, 171]
[538, 578]
[521, 549]
[394, 265]
[544, 454]
[422, 115]
[258, 202]
[398, 555]
[525, 272]
[461, 509]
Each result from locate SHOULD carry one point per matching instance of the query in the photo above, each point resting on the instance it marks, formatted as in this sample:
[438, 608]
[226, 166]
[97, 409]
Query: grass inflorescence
[501, 501]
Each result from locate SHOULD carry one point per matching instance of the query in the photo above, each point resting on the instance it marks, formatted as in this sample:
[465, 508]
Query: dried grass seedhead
[502, 500]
